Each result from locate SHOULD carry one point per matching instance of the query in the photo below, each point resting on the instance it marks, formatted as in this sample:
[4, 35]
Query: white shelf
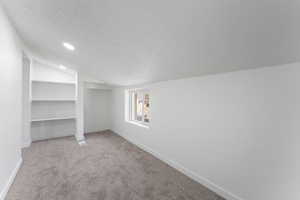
[54, 82]
[53, 100]
[53, 119]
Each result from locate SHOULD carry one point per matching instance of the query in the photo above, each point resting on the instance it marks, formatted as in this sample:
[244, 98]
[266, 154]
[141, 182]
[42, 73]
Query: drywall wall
[97, 110]
[10, 103]
[237, 133]
[26, 107]
[47, 72]
[80, 107]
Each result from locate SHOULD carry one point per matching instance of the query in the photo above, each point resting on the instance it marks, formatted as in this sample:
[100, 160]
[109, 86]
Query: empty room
[149, 100]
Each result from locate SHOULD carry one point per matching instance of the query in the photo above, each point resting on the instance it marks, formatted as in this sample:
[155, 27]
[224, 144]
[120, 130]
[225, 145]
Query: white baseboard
[80, 138]
[207, 183]
[26, 144]
[10, 180]
[98, 131]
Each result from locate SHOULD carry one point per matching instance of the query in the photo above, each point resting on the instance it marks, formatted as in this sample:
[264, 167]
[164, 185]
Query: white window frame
[130, 103]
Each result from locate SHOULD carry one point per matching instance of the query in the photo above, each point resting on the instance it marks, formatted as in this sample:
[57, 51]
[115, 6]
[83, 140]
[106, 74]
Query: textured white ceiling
[129, 42]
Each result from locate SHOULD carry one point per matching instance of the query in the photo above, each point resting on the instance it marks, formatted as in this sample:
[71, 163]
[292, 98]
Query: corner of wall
[11, 179]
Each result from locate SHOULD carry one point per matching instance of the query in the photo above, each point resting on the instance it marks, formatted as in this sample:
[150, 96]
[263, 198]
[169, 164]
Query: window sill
[138, 124]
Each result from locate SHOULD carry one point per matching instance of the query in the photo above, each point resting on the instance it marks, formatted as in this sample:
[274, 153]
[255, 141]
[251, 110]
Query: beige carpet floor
[107, 168]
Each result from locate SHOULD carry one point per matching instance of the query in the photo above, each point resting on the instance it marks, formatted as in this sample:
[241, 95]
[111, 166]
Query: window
[139, 106]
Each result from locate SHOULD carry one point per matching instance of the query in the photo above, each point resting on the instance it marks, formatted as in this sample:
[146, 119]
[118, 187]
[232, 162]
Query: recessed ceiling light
[62, 67]
[68, 46]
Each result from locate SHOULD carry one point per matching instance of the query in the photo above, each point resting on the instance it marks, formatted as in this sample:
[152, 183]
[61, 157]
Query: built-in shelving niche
[53, 102]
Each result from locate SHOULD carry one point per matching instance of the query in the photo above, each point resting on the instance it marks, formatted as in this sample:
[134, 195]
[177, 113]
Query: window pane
[139, 106]
[133, 106]
[146, 108]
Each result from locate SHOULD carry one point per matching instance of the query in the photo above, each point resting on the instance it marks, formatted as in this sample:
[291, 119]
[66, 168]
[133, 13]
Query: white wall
[10, 102]
[46, 72]
[80, 107]
[26, 107]
[236, 132]
[97, 110]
